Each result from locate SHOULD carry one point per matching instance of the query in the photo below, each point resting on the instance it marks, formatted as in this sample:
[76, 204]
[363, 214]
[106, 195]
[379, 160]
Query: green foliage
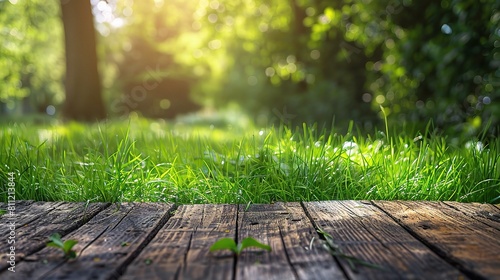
[421, 60]
[234, 162]
[31, 54]
[230, 244]
[273, 63]
[65, 246]
[445, 69]
[322, 59]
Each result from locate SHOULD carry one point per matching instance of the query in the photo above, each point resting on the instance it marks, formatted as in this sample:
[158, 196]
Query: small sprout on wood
[66, 246]
[2, 212]
[230, 244]
[311, 244]
[336, 251]
[124, 244]
[248, 205]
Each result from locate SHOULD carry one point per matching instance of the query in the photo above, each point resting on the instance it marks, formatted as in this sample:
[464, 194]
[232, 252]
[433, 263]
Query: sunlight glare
[118, 22]
[159, 3]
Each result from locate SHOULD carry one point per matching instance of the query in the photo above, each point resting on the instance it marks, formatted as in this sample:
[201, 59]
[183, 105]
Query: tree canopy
[279, 60]
[31, 54]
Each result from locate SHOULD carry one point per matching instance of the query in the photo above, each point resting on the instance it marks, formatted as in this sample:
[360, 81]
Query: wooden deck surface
[399, 239]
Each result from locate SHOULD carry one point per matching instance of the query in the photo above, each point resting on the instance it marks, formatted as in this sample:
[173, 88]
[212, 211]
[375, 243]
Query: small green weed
[230, 244]
[66, 246]
[336, 251]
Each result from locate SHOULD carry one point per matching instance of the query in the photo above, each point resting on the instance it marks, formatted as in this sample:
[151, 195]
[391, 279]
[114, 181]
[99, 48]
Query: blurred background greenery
[279, 61]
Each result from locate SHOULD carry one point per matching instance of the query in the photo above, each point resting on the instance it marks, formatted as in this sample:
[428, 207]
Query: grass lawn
[235, 162]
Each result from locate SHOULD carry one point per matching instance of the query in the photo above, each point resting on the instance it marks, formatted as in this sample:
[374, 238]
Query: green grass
[143, 160]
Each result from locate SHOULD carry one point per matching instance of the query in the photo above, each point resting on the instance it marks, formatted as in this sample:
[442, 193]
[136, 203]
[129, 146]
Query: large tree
[83, 86]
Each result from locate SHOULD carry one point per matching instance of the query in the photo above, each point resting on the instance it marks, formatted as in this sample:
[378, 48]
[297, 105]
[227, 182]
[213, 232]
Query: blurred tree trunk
[83, 86]
[300, 36]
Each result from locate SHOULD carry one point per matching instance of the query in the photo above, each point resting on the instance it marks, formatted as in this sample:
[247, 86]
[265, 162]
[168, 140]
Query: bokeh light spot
[315, 54]
[215, 44]
[367, 97]
[165, 104]
[252, 80]
[212, 18]
[446, 29]
[380, 99]
[270, 71]
[50, 110]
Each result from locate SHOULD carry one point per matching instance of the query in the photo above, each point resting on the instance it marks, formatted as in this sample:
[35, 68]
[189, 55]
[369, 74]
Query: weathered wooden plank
[41, 219]
[485, 213]
[471, 245]
[25, 212]
[41, 263]
[20, 207]
[363, 231]
[131, 240]
[180, 250]
[297, 252]
[106, 244]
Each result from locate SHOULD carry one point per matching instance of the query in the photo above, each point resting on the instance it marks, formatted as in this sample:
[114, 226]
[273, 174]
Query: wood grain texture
[469, 244]
[180, 250]
[363, 231]
[297, 252]
[484, 213]
[22, 214]
[37, 221]
[106, 244]
[407, 239]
